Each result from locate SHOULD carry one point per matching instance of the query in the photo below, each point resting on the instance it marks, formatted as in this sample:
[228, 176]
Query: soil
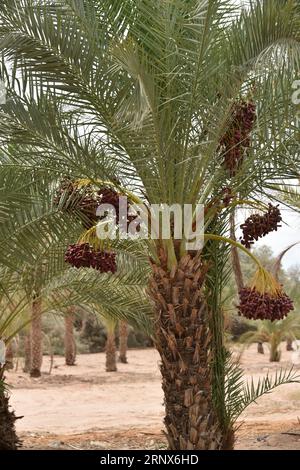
[84, 407]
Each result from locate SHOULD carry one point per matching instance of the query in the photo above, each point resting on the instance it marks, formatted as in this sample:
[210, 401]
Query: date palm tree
[110, 346]
[148, 90]
[9, 357]
[121, 296]
[273, 333]
[70, 346]
[277, 266]
[36, 338]
[33, 279]
[123, 339]
[23, 216]
[27, 351]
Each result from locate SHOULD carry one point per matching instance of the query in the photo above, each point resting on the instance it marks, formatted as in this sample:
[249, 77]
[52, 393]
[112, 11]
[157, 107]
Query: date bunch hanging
[259, 225]
[110, 196]
[236, 140]
[264, 299]
[80, 197]
[84, 255]
[67, 196]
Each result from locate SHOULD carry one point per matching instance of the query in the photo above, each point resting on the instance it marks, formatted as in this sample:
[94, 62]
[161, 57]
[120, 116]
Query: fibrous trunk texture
[275, 354]
[111, 352]
[8, 436]
[183, 340]
[260, 348]
[9, 356]
[27, 352]
[123, 338]
[36, 339]
[70, 348]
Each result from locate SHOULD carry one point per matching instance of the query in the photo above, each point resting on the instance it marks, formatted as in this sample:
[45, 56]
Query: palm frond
[240, 395]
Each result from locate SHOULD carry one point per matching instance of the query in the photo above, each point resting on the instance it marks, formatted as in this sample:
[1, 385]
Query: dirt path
[85, 407]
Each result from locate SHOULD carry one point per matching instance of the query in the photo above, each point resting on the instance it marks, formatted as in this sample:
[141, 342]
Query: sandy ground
[84, 407]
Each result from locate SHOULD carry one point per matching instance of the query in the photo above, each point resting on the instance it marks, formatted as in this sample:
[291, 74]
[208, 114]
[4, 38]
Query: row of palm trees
[273, 334]
[141, 96]
[33, 345]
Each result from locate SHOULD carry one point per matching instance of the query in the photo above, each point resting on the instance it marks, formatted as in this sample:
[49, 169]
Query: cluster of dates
[83, 255]
[255, 305]
[257, 226]
[83, 201]
[236, 140]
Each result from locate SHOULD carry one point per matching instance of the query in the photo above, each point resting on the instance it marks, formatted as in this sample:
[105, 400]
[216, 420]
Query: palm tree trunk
[27, 352]
[70, 349]
[8, 436]
[260, 348]
[123, 338]
[289, 344]
[183, 340]
[111, 351]
[275, 354]
[9, 356]
[36, 339]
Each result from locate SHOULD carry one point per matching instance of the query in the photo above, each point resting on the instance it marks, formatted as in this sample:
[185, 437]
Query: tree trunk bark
[36, 339]
[275, 354]
[27, 352]
[289, 344]
[123, 338]
[260, 348]
[183, 340]
[111, 352]
[8, 436]
[9, 356]
[70, 349]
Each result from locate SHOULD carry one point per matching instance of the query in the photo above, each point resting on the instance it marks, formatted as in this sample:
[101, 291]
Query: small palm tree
[276, 269]
[110, 346]
[123, 339]
[70, 345]
[22, 218]
[27, 350]
[36, 338]
[273, 333]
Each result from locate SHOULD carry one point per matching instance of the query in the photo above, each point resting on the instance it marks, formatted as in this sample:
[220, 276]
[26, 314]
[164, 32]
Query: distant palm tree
[273, 333]
[27, 350]
[110, 346]
[70, 346]
[277, 264]
[32, 279]
[36, 338]
[9, 358]
[123, 339]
